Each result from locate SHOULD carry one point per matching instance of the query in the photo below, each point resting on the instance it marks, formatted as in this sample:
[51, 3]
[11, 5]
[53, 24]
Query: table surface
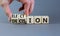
[7, 29]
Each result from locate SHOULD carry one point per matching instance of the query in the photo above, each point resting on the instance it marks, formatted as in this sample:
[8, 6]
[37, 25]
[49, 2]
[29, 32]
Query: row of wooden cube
[31, 19]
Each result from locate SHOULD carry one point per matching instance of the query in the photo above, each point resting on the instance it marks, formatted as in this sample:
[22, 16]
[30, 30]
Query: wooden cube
[14, 15]
[22, 20]
[45, 19]
[21, 16]
[18, 15]
[14, 20]
[37, 19]
[29, 20]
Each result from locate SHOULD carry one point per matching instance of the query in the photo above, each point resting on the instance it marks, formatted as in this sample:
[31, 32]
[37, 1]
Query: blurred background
[42, 7]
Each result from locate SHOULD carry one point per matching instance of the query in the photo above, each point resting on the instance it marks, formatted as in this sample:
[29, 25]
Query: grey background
[42, 7]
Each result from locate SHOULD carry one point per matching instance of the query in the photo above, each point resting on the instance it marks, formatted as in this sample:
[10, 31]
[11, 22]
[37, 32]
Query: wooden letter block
[18, 15]
[45, 19]
[14, 20]
[14, 15]
[37, 19]
[30, 20]
[22, 20]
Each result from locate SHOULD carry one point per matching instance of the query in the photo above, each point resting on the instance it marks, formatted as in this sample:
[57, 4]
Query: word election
[18, 18]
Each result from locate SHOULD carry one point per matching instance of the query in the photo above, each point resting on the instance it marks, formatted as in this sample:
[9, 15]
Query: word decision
[18, 18]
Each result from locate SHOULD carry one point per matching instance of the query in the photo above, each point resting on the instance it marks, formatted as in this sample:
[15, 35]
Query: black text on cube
[14, 20]
[22, 20]
[45, 19]
[14, 15]
[37, 19]
[21, 16]
[29, 19]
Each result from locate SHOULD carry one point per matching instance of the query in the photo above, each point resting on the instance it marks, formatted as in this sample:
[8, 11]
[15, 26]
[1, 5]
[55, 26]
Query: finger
[31, 7]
